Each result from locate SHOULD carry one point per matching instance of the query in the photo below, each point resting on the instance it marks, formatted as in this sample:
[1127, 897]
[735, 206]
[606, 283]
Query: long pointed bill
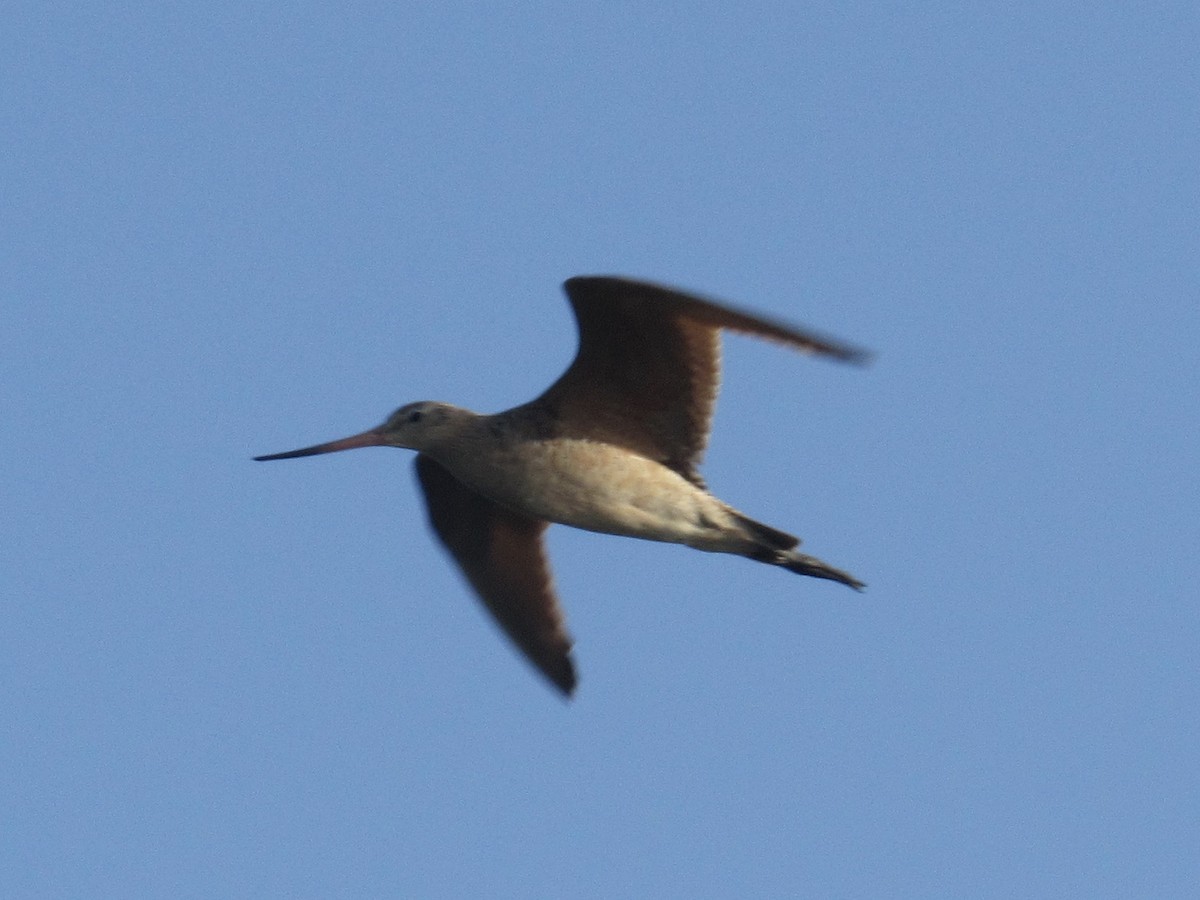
[372, 438]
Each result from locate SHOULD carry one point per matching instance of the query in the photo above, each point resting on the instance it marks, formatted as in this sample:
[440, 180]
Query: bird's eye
[415, 416]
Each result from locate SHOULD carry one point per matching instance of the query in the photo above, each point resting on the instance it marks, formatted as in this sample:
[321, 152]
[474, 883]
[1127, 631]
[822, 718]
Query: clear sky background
[232, 229]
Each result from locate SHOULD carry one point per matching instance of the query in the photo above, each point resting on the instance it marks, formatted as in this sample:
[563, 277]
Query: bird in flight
[612, 446]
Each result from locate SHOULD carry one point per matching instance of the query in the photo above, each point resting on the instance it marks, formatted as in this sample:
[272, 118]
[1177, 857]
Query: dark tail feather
[765, 534]
[804, 565]
[810, 565]
[776, 547]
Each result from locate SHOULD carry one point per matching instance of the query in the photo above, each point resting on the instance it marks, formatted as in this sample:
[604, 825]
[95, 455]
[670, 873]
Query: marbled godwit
[612, 446]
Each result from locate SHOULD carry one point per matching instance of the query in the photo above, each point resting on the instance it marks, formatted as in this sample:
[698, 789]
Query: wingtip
[563, 678]
[856, 356]
[812, 341]
[832, 348]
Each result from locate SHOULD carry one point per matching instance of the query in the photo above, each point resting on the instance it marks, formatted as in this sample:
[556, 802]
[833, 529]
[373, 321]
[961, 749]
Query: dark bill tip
[370, 438]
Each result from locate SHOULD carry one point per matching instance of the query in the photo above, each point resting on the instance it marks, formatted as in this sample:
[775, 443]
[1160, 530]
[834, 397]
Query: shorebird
[612, 446]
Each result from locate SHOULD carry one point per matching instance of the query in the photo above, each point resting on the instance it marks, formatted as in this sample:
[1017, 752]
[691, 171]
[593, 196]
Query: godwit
[612, 446]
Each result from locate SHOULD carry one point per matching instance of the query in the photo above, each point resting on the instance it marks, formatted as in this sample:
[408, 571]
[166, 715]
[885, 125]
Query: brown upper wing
[503, 556]
[648, 366]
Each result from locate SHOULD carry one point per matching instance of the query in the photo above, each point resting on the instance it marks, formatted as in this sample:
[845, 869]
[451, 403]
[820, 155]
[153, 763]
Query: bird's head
[418, 426]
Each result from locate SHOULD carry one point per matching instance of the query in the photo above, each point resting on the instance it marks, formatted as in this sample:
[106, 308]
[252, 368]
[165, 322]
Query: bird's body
[585, 484]
[611, 447]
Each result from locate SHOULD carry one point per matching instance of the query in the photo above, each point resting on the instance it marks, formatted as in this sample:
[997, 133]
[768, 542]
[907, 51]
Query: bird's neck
[470, 436]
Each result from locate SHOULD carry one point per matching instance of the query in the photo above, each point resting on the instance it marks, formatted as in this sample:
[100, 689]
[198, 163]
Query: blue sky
[236, 229]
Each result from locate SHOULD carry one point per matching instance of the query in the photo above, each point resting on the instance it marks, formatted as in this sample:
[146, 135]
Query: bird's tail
[810, 565]
[777, 548]
[765, 535]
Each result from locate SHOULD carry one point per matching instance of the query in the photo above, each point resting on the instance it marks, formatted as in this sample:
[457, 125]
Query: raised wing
[647, 370]
[504, 559]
